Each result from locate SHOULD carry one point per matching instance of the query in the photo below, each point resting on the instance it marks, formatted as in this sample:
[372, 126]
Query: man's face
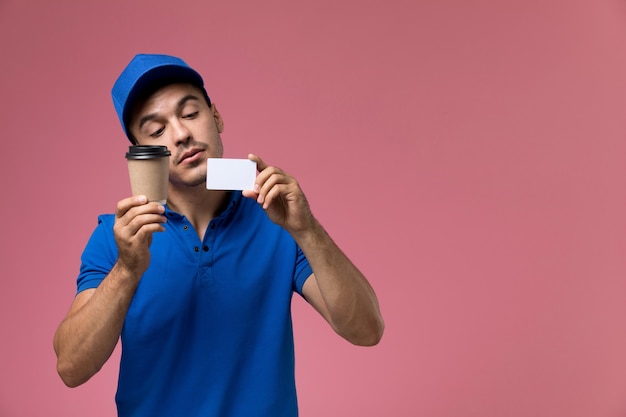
[178, 116]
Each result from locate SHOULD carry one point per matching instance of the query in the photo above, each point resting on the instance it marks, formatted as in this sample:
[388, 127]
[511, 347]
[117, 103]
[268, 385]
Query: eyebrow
[180, 104]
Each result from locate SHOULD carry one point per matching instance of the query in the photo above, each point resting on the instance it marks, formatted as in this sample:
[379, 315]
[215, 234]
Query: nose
[180, 133]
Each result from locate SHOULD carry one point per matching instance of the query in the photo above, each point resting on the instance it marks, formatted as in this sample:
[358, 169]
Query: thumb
[260, 164]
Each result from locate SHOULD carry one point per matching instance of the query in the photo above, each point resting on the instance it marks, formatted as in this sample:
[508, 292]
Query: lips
[190, 156]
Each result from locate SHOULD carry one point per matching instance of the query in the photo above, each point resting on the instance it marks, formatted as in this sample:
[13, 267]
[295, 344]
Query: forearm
[351, 304]
[338, 291]
[87, 337]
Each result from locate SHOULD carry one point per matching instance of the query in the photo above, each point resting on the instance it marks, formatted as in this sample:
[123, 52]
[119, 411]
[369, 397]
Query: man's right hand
[135, 221]
[91, 329]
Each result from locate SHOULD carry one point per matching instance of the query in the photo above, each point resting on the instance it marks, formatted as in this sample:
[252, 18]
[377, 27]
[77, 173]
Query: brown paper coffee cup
[148, 169]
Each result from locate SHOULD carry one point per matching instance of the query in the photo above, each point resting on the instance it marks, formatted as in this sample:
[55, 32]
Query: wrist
[125, 274]
[312, 234]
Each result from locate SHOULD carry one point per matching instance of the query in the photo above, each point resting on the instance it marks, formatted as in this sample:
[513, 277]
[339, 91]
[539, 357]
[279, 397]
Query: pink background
[468, 156]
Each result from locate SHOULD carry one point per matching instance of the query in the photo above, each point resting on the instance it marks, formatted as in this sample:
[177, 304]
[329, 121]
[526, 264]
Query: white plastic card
[230, 174]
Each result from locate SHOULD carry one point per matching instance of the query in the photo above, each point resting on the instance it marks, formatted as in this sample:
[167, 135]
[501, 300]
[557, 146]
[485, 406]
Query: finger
[138, 216]
[134, 214]
[274, 176]
[283, 187]
[126, 204]
[265, 181]
[275, 193]
[271, 173]
[260, 164]
[250, 193]
[145, 222]
[146, 231]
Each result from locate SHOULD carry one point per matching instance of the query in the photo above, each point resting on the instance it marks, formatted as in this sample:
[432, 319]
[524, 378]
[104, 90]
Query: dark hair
[143, 95]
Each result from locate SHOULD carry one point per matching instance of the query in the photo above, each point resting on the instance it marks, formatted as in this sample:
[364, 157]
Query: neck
[198, 205]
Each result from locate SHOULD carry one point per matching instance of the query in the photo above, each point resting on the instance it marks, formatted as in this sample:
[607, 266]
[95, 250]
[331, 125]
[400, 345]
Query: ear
[219, 122]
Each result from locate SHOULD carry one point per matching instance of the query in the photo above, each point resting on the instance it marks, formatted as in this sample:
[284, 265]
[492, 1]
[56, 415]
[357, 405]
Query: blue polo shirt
[209, 330]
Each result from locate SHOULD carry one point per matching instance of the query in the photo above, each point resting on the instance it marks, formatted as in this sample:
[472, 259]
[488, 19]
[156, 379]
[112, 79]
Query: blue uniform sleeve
[303, 270]
[99, 255]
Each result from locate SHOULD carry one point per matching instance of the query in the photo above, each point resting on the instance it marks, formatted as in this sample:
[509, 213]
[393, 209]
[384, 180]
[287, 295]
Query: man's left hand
[281, 197]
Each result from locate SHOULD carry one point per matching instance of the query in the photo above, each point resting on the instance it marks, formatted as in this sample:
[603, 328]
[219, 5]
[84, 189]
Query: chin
[198, 182]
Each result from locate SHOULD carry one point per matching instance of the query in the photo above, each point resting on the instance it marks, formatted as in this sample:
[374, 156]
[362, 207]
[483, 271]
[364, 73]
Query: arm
[337, 289]
[339, 292]
[89, 333]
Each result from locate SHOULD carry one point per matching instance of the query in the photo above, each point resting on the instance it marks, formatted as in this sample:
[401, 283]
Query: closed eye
[157, 133]
[191, 115]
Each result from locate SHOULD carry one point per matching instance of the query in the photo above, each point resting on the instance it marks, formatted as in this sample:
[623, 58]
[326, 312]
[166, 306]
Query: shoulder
[106, 219]
[102, 233]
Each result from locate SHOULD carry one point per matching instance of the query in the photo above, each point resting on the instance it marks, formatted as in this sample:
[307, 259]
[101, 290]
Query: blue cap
[146, 72]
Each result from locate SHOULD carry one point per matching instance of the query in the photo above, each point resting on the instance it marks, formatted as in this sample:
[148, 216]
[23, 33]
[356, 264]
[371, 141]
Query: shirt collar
[234, 197]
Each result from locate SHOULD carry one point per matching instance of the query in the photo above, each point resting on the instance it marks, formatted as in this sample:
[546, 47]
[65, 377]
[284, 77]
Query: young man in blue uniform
[199, 289]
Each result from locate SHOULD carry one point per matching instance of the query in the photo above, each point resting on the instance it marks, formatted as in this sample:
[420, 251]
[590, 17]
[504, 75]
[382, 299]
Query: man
[199, 289]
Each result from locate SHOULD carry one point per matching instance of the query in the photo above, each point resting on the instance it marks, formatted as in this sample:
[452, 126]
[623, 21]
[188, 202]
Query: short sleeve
[99, 255]
[303, 270]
